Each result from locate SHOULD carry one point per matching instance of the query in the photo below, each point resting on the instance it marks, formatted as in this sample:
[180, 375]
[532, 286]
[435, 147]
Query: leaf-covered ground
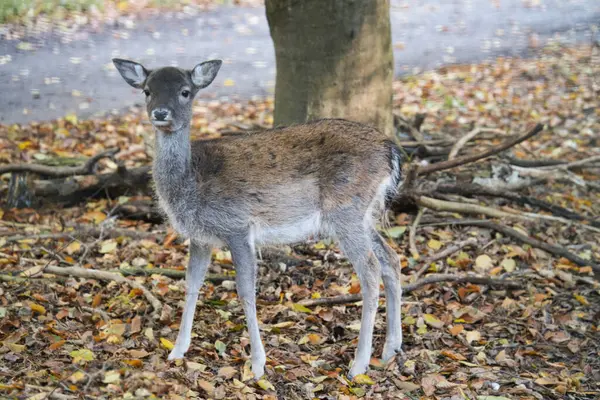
[82, 338]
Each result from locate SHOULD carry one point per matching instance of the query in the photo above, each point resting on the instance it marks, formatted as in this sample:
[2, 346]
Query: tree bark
[334, 60]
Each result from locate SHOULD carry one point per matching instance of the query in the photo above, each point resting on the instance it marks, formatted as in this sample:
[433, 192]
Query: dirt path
[49, 77]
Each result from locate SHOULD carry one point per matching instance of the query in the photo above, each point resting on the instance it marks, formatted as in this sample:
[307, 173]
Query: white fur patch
[282, 234]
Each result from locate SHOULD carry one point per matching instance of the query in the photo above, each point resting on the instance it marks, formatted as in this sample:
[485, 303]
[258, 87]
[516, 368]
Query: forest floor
[73, 337]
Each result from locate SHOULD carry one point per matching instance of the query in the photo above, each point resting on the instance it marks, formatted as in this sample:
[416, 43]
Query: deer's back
[288, 172]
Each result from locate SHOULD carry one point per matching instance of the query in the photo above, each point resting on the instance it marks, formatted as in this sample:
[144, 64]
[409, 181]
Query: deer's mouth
[160, 124]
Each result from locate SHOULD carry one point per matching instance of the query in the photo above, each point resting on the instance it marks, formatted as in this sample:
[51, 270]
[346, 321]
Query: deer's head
[169, 91]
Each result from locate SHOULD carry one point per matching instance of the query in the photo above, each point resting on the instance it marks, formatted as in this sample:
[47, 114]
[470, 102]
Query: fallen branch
[466, 208]
[436, 278]
[82, 231]
[472, 189]
[171, 273]
[122, 181]
[465, 139]
[106, 276]
[412, 233]
[60, 172]
[550, 248]
[426, 170]
[443, 254]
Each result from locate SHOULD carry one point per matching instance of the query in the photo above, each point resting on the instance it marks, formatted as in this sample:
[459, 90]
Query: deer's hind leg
[390, 272]
[356, 244]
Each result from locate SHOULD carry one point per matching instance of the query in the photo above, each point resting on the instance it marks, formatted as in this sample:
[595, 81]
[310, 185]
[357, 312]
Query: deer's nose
[160, 114]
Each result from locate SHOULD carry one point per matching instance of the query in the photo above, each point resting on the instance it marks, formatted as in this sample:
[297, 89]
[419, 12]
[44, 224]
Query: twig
[442, 254]
[60, 172]
[412, 234]
[171, 273]
[533, 163]
[550, 248]
[101, 313]
[106, 276]
[475, 157]
[465, 208]
[574, 164]
[82, 230]
[465, 139]
[471, 189]
[436, 278]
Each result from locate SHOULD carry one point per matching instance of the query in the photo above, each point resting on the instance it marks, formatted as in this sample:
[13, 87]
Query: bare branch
[435, 278]
[426, 170]
[106, 276]
[60, 172]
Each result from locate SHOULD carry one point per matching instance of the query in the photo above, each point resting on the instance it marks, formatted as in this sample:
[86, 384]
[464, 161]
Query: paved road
[72, 74]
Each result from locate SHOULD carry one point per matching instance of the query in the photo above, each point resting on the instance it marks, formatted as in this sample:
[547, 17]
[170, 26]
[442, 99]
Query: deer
[327, 178]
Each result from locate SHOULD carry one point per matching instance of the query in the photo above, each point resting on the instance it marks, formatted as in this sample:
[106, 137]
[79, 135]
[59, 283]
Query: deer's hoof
[176, 354]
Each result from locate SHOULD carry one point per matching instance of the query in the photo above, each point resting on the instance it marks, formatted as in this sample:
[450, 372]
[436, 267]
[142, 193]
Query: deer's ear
[203, 74]
[135, 74]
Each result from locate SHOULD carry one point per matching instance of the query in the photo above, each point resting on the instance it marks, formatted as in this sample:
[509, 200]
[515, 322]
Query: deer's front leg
[242, 253]
[194, 277]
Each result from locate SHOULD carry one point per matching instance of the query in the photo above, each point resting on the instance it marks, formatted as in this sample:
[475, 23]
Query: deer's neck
[172, 168]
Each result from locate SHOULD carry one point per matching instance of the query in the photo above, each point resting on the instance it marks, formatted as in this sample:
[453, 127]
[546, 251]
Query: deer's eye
[185, 93]
[147, 92]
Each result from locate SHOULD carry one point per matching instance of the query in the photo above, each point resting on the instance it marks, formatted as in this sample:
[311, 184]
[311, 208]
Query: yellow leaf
[432, 321]
[363, 379]
[62, 132]
[166, 343]
[108, 246]
[228, 82]
[82, 355]
[265, 384]
[300, 308]
[37, 308]
[509, 264]
[77, 376]
[112, 377]
[483, 263]
[72, 118]
[73, 248]
[434, 244]
[15, 348]
[25, 145]
[581, 299]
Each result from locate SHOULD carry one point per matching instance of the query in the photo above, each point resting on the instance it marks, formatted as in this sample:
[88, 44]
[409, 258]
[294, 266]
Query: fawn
[330, 177]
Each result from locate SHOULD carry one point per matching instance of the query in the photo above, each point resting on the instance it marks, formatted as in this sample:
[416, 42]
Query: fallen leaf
[453, 355]
[432, 321]
[108, 246]
[37, 308]
[220, 347]
[227, 372]
[434, 244]
[208, 387]
[483, 263]
[456, 329]
[473, 336]
[265, 384]
[82, 355]
[166, 343]
[363, 379]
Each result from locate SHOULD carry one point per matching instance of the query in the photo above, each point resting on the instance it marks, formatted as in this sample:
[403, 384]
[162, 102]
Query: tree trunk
[334, 59]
